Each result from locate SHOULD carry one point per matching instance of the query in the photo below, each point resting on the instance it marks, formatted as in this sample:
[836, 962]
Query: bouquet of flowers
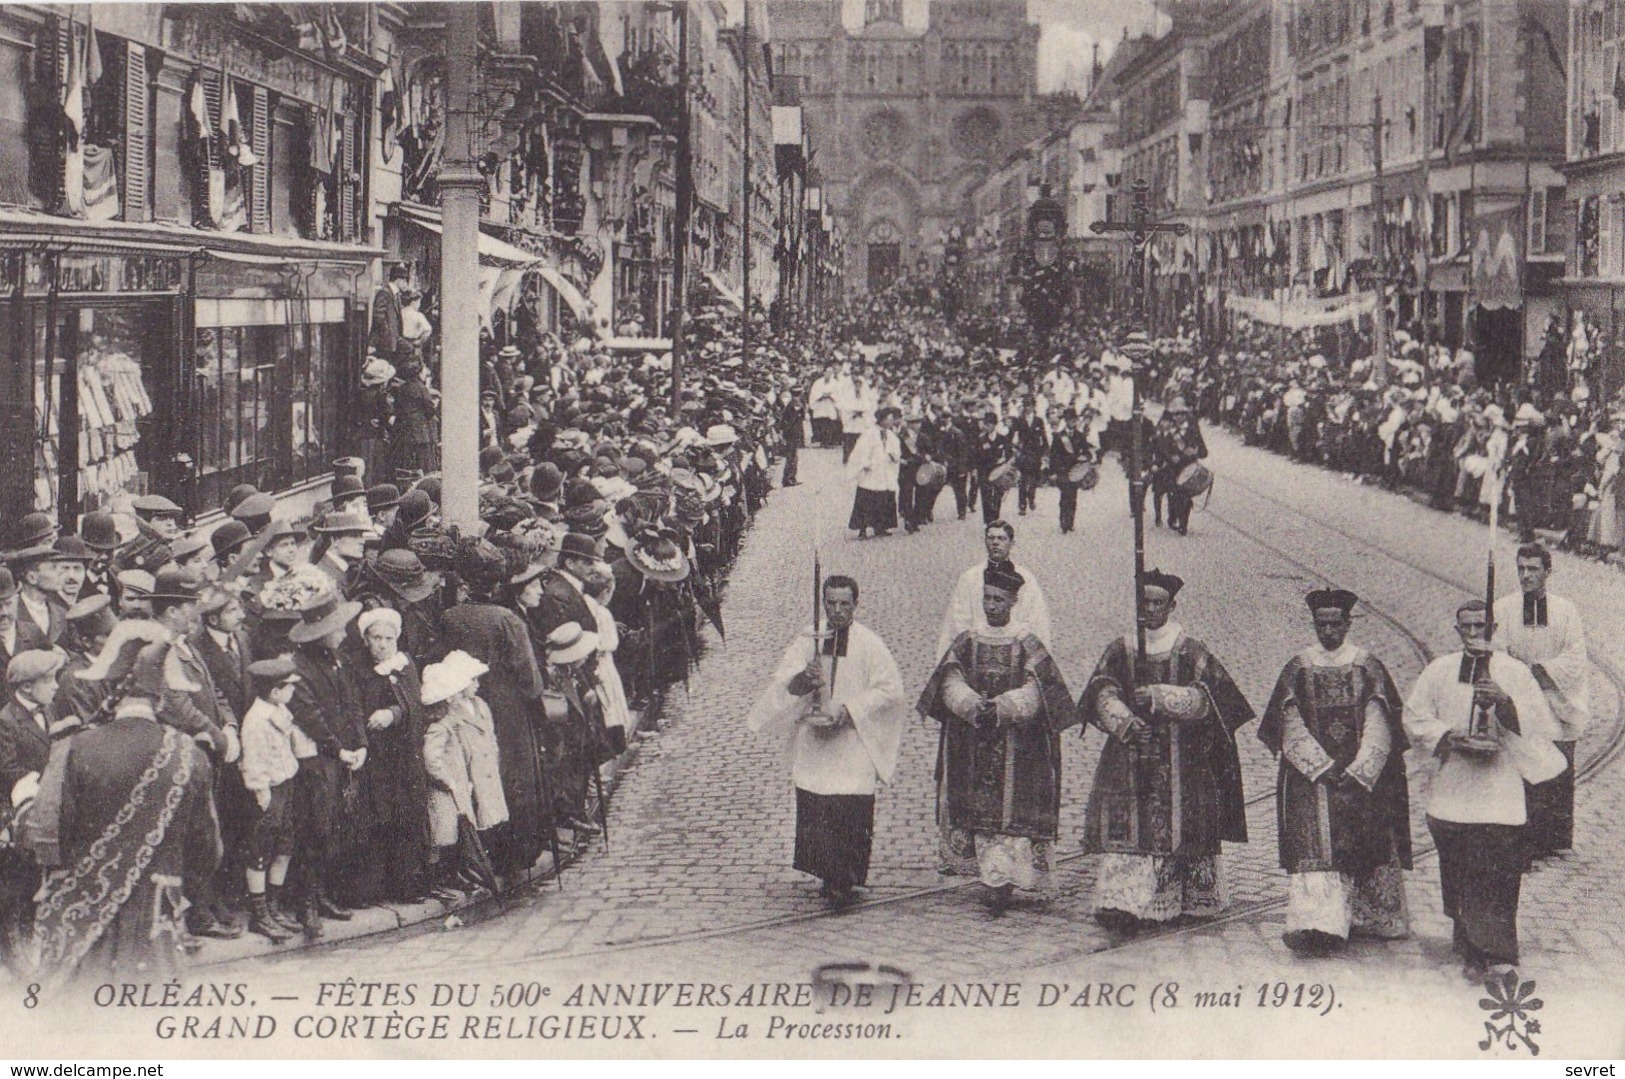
[300, 589]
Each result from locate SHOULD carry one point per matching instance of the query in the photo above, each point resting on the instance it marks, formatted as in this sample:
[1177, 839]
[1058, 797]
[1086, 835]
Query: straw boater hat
[326, 616]
[570, 643]
[136, 584]
[449, 677]
[92, 615]
[342, 524]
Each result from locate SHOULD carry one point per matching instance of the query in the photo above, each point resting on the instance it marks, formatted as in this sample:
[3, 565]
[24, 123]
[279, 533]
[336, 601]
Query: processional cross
[1136, 347]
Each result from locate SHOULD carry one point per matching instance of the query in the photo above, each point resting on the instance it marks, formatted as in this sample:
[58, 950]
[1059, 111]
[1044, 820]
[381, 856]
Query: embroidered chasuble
[1339, 712]
[1003, 777]
[1180, 793]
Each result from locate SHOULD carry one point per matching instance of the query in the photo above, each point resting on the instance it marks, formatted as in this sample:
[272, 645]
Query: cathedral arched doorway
[885, 255]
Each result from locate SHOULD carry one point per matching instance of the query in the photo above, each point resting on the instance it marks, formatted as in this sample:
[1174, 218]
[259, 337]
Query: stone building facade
[911, 119]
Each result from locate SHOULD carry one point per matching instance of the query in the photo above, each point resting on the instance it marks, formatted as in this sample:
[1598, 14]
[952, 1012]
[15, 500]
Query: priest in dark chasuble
[1002, 705]
[1341, 797]
[1168, 786]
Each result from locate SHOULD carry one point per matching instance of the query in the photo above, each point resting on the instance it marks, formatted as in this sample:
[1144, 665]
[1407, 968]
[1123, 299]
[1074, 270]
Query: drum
[1084, 474]
[1004, 477]
[930, 474]
[1194, 479]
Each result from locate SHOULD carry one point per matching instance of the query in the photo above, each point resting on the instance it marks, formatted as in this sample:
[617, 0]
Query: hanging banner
[1304, 312]
[1496, 282]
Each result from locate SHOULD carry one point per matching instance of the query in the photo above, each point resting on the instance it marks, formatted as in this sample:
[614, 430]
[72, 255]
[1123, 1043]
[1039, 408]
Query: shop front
[91, 349]
[163, 360]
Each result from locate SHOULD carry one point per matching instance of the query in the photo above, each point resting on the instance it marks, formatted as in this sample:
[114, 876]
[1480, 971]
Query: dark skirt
[1481, 869]
[1551, 808]
[834, 833]
[826, 431]
[873, 509]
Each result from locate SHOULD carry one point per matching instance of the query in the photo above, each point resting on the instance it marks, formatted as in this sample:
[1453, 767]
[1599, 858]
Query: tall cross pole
[1137, 347]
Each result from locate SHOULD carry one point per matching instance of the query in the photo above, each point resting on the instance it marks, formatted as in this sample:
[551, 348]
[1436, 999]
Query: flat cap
[35, 663]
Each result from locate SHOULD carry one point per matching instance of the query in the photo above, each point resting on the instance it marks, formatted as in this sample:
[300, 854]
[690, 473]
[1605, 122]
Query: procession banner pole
[1137, 495]
[1137, 349]
[1489, 560]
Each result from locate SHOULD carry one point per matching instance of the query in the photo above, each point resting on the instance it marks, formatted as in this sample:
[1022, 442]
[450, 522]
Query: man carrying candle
[840, 698]
[1483, 716]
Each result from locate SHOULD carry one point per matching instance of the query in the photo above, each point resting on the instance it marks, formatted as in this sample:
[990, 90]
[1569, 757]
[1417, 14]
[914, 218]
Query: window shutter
[259, 183]
[1608, 122]
[46, 144]
[136, 126]
[1605, 237]
[212, 89]
[207, 152]
[347, 190]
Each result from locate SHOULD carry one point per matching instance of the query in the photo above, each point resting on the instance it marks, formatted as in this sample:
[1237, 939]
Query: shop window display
[103, 353]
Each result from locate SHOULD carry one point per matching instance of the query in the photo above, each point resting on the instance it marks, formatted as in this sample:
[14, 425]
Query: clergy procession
[287, 720]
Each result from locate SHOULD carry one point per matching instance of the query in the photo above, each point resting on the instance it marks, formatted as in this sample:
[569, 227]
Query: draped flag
[1496, 256]
[73, 111]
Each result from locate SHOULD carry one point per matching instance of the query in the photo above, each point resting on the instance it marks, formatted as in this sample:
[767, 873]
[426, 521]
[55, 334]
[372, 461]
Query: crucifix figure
[1140, 228]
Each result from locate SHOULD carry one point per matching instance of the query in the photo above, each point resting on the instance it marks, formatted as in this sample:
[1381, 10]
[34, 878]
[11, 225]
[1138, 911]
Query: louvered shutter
[46, 138]
[137, 124]
[207, 151]
[259, 182]
[1605, 236]
[347, 190]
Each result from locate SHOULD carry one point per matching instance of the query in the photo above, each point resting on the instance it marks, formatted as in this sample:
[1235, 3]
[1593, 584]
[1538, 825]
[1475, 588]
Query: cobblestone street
[697, 882]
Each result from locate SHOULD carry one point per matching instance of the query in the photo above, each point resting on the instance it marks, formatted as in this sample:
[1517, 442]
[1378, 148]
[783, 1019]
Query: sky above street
[1070, 30]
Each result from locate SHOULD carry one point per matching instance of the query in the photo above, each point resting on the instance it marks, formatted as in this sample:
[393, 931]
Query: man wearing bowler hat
[34, 530]
[563, 586]
[72, 557]
[254, 511]
[100, 533]
[39, 611]
[382, 501]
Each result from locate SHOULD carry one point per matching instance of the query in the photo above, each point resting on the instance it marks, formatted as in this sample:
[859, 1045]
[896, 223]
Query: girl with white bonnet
[460, 753]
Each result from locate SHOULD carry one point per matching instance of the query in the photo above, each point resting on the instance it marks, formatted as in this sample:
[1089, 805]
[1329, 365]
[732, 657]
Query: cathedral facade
[909, 120]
